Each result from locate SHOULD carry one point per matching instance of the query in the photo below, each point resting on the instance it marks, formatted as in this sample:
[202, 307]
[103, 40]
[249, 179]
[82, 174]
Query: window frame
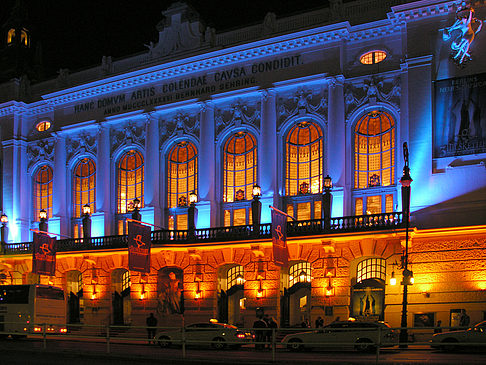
[40, 197]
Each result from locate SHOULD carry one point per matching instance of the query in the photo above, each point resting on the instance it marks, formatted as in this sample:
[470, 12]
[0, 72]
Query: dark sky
[75, 34]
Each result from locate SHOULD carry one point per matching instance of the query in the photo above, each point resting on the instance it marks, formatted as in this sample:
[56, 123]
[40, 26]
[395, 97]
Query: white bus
[26, 309]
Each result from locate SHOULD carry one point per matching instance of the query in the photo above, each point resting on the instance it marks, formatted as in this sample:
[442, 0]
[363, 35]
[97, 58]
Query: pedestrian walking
[151, 323]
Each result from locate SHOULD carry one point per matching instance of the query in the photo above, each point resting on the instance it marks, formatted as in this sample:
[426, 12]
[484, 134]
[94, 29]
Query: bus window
[49, 293]
[14, 294]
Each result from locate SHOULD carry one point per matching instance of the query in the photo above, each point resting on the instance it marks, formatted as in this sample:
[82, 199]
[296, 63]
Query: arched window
[300, 273]
[181, 180]
[304, 170]
[130, 180]
[43, 191]
[84, 186]
[239, 177]
[373, 268]
[374, 161]
[235, 276]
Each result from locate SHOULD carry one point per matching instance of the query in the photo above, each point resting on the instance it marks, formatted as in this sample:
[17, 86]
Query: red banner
[279, 238]
[139, 243]
[44, 255]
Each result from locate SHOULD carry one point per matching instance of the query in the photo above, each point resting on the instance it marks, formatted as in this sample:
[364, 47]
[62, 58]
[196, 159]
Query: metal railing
[272, 339]
[370, 222]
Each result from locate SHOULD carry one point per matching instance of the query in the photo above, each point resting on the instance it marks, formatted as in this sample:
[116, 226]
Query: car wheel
[164, 342]
[218, 343]
[295, 344]
[449, 345]
[364, 345]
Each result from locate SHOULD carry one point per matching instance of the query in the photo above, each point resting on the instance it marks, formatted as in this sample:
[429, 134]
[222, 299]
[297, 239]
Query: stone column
[208, 213]
[101, 219]
[268, 153]
[58, 222]
[151, 210]
[336, 142]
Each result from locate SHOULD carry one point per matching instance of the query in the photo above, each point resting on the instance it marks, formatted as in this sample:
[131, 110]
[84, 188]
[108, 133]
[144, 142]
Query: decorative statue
[464, 30]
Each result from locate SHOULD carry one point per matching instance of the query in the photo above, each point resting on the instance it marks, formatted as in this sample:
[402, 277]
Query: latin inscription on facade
[187, 88]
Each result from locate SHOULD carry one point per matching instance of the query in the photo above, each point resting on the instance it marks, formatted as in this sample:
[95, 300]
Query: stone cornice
[421, 9]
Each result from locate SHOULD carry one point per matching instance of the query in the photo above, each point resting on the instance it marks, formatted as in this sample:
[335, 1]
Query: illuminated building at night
[283, 104]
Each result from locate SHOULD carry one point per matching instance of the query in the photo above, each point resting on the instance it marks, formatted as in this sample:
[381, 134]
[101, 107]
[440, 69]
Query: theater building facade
[284, 105]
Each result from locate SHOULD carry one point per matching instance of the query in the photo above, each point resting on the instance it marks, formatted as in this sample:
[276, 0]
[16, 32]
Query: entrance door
[73, 305]
[222, 307]
[285, 309]
[117, 309]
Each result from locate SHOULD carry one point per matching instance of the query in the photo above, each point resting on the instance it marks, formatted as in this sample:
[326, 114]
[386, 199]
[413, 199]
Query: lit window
[130, 180]
[126, 283]
[182, 176]
[43, 191]
[84, 186]
[235, 276]
[304, 159]
[240, 167]
[43, 125]
[372, 57]
[10, 36]
[374, 268]
[299, 273]
[374, 150]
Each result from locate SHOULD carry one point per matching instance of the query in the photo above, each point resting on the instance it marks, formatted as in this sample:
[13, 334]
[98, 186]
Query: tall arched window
[84, 192]
[84, 186]
[181, 180]
[239, 177]
[130, 180]
[304, 170]
[43, 191]
[374, 161]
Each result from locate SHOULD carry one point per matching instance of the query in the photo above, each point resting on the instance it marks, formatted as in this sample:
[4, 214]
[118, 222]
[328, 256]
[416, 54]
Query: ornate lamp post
[86, 221]
[43, 220]
[136, 210]
[256, 209]
[191, 213]
[405, 181]
[327, 202]
[4, 220]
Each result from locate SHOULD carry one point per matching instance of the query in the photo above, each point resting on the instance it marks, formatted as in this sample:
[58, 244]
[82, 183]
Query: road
[76, 352]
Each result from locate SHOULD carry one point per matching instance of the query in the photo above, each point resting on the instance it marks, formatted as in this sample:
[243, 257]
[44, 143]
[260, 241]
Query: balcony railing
[371, 222]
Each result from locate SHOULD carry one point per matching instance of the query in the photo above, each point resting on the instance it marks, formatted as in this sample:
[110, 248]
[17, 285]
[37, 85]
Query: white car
[362, 336]
[216, 335]
[453, 340]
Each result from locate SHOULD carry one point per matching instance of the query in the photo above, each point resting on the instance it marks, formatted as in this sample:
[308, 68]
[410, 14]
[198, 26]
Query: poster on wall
[367, 303]
[460, 116]
[44, 255]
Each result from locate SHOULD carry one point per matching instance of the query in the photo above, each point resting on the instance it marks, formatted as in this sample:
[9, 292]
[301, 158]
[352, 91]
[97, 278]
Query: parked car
[362, 336]
[216, 335]
[452, 340]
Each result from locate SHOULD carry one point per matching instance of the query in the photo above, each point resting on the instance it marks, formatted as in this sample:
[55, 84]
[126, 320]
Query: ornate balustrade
[372, 222]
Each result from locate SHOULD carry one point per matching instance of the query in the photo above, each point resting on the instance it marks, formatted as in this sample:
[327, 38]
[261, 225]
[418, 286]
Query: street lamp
[327, 202]
[86, 221]
[407, 280]
[4, 220]
[256, 209]
[136, 210]
[191, 213]
[43, 220]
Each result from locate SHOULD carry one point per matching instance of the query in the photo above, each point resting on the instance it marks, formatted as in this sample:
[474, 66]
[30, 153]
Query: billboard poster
[139, 242]
[170, 286]
[460, 116]
[44, 255]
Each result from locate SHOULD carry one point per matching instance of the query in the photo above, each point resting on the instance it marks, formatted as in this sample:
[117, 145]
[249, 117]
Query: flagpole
[279, 211]
[55, 234]
[148, 224]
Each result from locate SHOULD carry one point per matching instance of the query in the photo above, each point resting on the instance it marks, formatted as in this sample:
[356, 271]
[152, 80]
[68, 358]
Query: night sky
[76, 34]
